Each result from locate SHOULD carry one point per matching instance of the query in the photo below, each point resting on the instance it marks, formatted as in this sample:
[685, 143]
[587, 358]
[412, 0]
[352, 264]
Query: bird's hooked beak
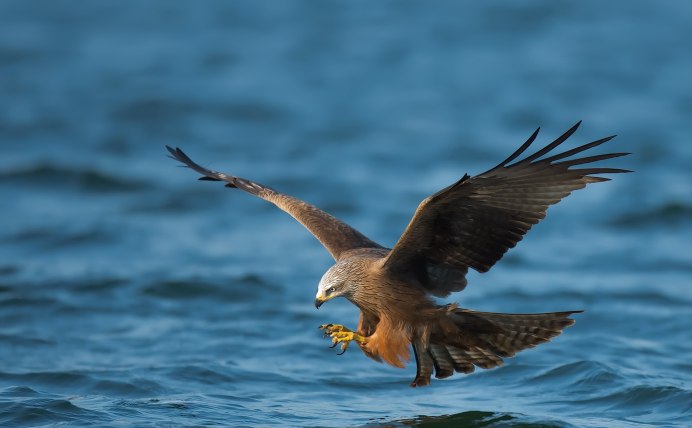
[319, 301]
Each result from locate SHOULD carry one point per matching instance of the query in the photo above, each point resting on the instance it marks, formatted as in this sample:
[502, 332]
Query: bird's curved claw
[344, 346]
[341, 335]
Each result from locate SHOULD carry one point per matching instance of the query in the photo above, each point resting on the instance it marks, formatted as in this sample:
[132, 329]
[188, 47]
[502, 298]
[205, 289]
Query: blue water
[133, 295]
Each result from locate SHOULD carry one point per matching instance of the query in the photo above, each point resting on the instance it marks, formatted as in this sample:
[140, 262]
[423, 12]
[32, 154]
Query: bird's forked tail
[482, 339]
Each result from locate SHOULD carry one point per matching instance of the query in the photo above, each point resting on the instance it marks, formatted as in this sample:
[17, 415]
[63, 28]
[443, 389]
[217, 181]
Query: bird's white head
[335, 282]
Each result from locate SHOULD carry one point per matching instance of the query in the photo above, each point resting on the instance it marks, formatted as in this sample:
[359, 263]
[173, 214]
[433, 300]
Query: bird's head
[335, 282]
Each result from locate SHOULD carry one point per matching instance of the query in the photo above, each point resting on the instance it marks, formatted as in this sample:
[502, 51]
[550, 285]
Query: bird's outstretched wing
[473, 222]
[336, 236]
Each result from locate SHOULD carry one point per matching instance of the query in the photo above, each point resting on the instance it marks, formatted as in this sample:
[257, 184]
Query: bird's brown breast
[395, 313]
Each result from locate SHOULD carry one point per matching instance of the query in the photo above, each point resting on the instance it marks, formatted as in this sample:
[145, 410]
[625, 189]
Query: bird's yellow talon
[333, 328]
[342, 335]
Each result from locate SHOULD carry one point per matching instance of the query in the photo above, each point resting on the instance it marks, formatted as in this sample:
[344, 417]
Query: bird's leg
[341, 334]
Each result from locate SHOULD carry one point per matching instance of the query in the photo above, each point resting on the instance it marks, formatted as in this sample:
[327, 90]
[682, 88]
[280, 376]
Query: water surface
[131, 294]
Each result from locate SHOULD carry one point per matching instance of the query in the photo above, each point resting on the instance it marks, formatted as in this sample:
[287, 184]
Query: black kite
[469, 224]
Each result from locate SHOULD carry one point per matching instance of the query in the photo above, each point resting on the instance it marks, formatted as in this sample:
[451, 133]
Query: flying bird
[469, 224]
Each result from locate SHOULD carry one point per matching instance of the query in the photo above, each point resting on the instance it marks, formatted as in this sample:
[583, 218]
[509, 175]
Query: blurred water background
[131, 294]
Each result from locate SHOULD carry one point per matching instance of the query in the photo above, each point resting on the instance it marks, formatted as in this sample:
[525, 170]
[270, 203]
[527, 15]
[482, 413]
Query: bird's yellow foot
[341, 334]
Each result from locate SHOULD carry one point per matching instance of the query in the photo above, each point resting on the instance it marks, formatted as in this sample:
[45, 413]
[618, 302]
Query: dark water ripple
[475, 419]
[41, 411]
[246, 288]
[671, 214]
[133, 295]
[67, 178]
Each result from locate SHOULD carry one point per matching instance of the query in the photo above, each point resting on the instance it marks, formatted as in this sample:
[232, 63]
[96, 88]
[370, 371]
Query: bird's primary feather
[472, 223]
[336, 236]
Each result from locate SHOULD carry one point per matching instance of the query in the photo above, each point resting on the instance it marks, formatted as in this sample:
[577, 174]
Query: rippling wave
[474, 419]
[133, 295]
[246, 288]
[669, 215]
[56, 177]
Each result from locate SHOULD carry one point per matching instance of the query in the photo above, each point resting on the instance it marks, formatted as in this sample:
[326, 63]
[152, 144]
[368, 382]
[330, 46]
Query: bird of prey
[469, 224]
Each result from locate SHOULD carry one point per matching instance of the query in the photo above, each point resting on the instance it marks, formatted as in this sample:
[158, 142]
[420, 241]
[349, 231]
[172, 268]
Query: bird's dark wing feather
[336, 236]
[473, 222]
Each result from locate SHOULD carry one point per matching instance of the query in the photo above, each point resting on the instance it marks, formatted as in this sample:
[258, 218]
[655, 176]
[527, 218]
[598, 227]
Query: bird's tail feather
[483, 339]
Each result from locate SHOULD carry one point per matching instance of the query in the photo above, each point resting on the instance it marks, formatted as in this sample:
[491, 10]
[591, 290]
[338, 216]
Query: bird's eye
[333, 289]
